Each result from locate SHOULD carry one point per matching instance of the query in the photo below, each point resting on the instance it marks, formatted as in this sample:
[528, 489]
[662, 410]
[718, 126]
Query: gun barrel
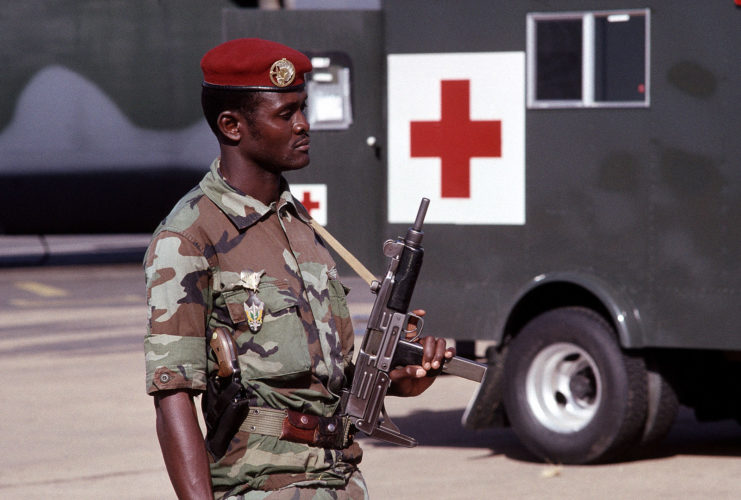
[414, 235]
[421, 213]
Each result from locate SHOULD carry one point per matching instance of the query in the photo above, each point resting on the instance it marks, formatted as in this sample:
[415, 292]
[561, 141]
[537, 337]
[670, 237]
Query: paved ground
[76, 423]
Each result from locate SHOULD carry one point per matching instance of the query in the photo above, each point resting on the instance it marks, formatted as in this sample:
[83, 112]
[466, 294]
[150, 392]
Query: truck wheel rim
[563, 387]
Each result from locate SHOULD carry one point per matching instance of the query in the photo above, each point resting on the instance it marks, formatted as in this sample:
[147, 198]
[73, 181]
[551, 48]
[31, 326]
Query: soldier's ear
[229, 125]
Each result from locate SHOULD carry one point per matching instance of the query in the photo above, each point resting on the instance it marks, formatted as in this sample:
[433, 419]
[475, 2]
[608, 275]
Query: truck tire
[571, 394]
[663, 405]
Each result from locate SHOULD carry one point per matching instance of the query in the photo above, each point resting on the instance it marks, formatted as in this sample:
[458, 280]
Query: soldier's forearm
[182, 445]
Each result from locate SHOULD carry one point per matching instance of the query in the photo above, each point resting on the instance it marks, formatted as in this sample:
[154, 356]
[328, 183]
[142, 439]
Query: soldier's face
[278, 138]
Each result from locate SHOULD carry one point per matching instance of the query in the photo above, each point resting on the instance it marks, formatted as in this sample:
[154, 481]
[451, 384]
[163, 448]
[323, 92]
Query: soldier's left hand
[412, 380]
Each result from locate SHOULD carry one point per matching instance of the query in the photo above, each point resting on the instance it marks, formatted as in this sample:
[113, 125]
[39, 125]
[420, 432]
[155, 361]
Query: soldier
[237, 252]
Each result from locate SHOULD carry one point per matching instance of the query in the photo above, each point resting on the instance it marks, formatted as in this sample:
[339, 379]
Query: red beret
[254, 64]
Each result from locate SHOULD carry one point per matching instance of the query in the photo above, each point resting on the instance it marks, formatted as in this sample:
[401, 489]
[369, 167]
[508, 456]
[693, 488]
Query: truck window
[588, 59]
[559, 60]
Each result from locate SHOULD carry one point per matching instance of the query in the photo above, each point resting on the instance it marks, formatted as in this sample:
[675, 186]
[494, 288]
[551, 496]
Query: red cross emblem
[314, 198]
[455, 139]
[308, 203]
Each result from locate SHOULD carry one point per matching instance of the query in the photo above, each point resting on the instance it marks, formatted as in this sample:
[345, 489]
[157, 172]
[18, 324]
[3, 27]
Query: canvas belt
[323, 432]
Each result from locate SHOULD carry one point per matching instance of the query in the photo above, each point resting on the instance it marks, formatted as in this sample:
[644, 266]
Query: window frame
[588, 57]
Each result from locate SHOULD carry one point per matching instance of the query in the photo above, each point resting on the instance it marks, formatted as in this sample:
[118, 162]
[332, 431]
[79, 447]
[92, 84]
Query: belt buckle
[347, 436]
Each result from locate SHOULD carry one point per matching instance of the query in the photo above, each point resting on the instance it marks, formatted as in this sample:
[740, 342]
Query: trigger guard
[418, 329]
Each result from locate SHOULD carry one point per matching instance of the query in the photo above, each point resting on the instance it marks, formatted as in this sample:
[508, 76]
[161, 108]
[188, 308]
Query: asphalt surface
[77, 424]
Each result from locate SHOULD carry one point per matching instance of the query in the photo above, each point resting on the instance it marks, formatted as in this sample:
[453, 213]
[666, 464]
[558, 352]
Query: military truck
[611, 294]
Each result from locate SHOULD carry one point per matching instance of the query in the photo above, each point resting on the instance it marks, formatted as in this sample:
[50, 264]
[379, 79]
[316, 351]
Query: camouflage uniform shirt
[196, 266]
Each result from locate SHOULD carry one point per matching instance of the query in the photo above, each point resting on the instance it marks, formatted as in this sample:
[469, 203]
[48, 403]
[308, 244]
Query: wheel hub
[562, 387]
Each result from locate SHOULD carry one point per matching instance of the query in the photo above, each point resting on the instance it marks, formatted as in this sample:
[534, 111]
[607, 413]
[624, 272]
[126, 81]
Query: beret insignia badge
[282, 73]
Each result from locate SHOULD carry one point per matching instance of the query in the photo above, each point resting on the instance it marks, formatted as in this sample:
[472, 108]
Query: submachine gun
[384, 345]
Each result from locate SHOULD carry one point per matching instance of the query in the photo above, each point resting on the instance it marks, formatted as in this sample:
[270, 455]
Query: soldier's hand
[412, 380]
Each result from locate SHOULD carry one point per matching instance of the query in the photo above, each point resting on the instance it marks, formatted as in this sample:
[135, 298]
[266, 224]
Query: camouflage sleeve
[177, 281]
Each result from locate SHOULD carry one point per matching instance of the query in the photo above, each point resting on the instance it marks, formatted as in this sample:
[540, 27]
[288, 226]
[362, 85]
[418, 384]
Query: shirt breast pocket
[279, 348]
